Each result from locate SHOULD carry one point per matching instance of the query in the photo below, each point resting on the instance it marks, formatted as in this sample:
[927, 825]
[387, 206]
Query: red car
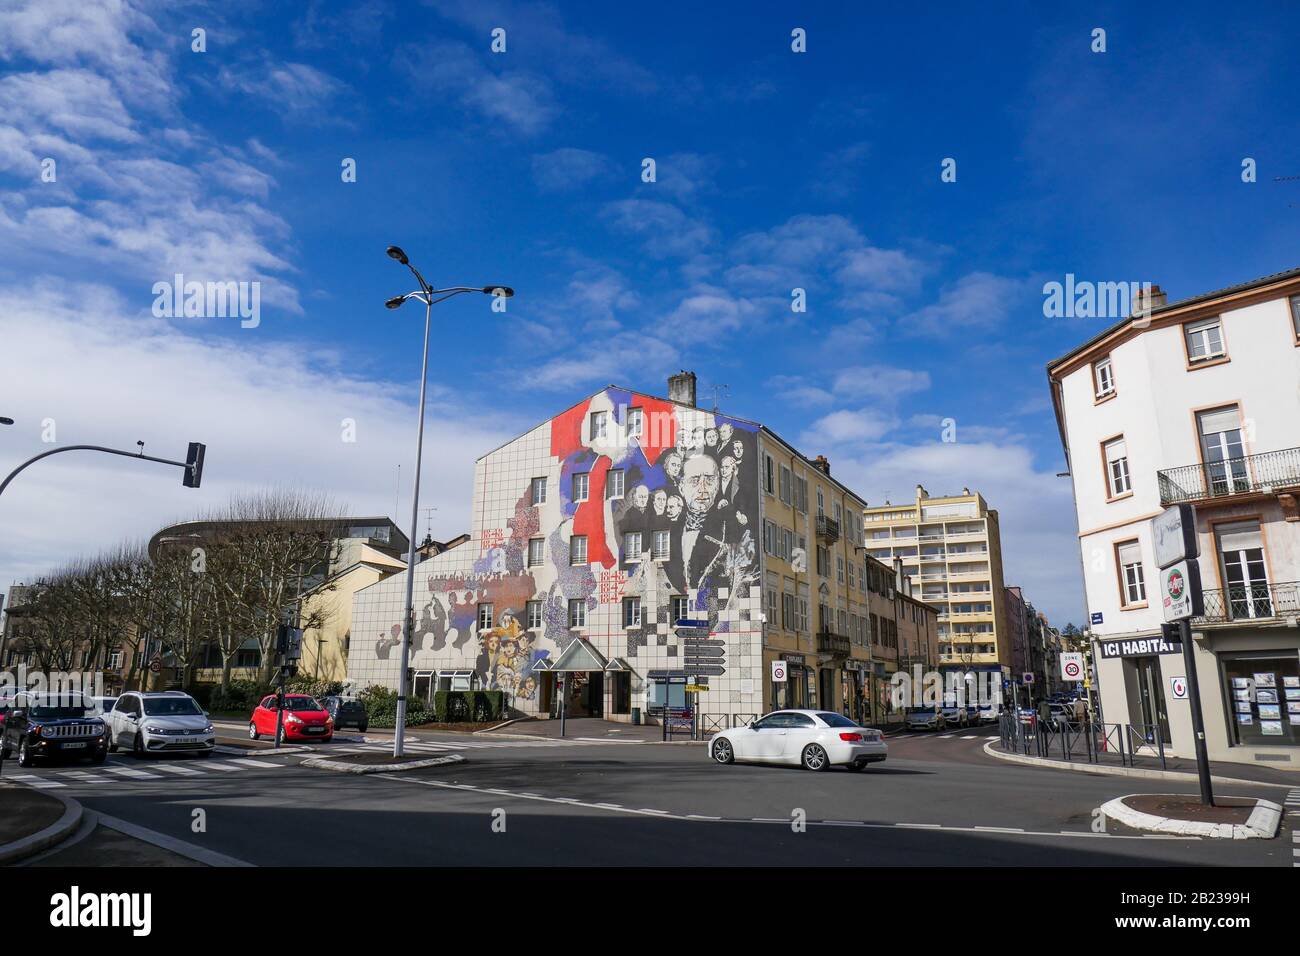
[304, 719]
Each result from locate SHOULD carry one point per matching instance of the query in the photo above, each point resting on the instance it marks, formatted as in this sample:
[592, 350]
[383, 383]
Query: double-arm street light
[428, 295]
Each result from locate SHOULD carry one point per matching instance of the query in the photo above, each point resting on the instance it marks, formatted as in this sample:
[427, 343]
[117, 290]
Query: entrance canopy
[579, 656]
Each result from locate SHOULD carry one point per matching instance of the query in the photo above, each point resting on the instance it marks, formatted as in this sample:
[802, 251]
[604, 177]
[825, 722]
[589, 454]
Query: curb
[323, 763]
[56, 832]
[261, 751]
[1262, 824]
[1102, 770]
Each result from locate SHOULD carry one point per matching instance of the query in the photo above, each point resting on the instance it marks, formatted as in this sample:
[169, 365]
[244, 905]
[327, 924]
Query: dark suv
[53, 725]
[347, 713]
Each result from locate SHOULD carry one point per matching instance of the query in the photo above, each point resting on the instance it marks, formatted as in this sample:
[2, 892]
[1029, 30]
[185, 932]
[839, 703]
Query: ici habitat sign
[1139, 647]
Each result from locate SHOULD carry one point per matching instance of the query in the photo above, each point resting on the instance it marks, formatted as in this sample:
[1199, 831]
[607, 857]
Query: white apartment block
[1198, 403]
[952, 546]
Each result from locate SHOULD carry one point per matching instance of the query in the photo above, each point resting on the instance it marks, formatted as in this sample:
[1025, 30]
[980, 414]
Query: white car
[164, 722]
[925, 718]
[954, 716]
[814, 739]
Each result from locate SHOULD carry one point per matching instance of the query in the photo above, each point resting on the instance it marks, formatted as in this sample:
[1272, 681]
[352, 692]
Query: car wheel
[25, 758]
[205, 753]
[99, 757]
[5, 753]
[723, 752]
[137, 746]
[363, 728]
[815, 758]
[860, 765]
[252, 731]
[112, 743]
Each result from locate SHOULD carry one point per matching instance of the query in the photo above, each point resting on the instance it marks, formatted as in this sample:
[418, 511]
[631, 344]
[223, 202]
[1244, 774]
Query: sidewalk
[32, 821]
[1181, 767]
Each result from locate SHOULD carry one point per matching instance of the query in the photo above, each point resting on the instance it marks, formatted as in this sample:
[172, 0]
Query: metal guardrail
[743, 720]
[1245, 474]
[1086, 741]
[828, 529]
[712, 723]
[1251, 602]
[834, 644]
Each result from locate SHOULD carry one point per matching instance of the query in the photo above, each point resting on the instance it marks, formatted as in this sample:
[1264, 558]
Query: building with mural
[608, 524]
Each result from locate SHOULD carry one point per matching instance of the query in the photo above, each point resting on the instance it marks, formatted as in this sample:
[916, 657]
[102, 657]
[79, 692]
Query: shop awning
[618, 665]
[579, 657]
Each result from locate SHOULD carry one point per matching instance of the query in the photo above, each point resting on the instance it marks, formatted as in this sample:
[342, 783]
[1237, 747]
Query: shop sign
[1138, 647]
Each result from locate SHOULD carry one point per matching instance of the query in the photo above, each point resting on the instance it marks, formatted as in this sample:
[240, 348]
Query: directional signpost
[703, 657]
[1176, 547]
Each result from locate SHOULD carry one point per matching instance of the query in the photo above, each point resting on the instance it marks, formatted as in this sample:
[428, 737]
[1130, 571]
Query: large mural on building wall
[666, 498]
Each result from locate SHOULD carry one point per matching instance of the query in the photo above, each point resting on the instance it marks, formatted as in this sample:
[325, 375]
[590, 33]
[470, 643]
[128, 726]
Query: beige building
[952, 546]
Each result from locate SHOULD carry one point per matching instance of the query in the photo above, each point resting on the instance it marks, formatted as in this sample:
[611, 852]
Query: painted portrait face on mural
[674, 507]
[673, 466]
[724, 434]
[661, 501]
[728, 468]
[700, 484]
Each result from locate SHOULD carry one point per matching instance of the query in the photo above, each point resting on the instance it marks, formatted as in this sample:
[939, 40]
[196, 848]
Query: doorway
[1151, 698]
[585, 694]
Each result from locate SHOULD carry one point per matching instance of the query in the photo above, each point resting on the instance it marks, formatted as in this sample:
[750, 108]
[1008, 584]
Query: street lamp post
[425, 294]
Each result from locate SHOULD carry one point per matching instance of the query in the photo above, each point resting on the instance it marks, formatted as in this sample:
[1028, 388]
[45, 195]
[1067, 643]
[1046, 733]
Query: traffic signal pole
[1198, 718]
[193, 464]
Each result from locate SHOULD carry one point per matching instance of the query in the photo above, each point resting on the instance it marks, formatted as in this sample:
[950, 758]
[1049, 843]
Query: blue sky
[775, 170]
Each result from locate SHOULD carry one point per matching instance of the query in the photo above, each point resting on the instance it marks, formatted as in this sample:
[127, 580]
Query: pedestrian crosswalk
[55, 777]
[931, 735]
[1292, 803]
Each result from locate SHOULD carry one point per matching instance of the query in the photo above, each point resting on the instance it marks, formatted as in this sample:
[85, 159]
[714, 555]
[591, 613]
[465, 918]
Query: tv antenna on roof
[718, 391]
[428, 521]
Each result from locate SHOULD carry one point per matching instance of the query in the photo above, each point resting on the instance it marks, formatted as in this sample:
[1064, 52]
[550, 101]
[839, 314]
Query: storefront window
[1263, 698]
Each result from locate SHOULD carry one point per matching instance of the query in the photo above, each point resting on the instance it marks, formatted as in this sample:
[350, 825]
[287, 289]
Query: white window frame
[680, 608]
[662, 546]
[577, 612]
[1119, 480]
[599, 428]
[632, 612]
[1132, 576]
[1103, 377]
[1198, 333]
[486, 606]
[615, 476]
[578, 543]
[635, 422]
[632, 549]
[533, 614]
[538, 545]
[581, 485]
[539, 491]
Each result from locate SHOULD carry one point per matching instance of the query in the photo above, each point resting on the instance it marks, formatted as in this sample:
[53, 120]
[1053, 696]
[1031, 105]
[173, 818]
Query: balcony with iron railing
[1265, 473]
[836, 645]
[828, 529]
[1244, 603]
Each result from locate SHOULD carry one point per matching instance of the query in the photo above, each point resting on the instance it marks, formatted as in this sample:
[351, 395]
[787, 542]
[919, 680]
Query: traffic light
[288, 643]
[194, 465]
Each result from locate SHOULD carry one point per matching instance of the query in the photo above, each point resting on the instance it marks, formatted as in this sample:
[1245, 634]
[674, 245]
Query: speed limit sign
[1072, 666]
[778, 672]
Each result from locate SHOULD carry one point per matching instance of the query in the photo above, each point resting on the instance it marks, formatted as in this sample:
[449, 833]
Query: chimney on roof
[822, 464]
[966, 492]
[681, 388]
[1147, 298]
[921, 492]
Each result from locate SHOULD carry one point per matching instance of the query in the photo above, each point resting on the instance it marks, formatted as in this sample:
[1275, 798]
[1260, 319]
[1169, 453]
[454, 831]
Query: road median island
[33, 821]
[1231, 818]
[1110, 770]
[372, 762]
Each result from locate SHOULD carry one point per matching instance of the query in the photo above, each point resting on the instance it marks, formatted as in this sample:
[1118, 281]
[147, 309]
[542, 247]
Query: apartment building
[1196, 402]
[599, 529]
[952, 546]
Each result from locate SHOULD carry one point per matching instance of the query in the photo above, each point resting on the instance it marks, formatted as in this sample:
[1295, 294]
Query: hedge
[479, 706]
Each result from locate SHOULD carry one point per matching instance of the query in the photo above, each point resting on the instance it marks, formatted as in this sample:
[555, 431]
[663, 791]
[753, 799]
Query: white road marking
[34, 781]
[182, 771]
[133, 774]
[243, 762]
[219, 765]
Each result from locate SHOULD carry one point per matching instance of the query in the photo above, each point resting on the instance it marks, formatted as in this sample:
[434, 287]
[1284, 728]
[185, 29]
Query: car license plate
[73, 746]
[315, 730]
[187, 740]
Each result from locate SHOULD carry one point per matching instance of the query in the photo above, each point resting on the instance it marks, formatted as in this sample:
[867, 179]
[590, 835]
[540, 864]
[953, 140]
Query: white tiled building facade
[1199, 404]
[607, 523]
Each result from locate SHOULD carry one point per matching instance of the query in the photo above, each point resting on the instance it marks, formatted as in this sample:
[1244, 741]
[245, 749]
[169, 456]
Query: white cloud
[667, 230]
[978, 300]
[269, 414]
[294, 88]
[516, 99]
[569, 168]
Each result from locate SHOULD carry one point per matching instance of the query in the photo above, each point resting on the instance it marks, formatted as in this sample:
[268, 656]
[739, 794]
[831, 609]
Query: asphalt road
[935, 802]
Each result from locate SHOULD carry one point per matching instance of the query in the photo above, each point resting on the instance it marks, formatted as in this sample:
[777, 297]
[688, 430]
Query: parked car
[955, 716]
[304, 719]
[103, 705]
[346, 712]
[53, 725]
[814, 739]
[160, 722]
[925, 718]
[989, 714]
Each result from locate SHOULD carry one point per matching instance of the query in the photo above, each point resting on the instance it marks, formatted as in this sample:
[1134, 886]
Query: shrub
[242, 695]
[313, 686]
[381, 707]
[480, 706]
